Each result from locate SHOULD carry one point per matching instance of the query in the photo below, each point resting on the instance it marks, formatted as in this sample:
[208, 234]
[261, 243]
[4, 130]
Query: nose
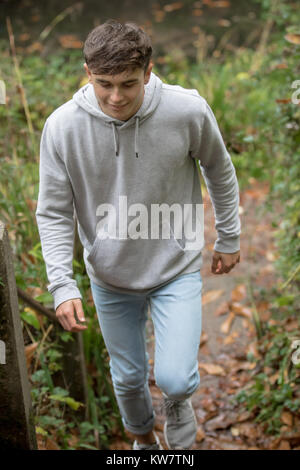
[116, 96]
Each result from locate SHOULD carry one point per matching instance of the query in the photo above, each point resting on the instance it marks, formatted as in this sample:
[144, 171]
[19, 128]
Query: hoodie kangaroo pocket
[136, 264]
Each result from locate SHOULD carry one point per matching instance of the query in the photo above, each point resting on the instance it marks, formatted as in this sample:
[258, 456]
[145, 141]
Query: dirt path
[227, 338]
[226, 352]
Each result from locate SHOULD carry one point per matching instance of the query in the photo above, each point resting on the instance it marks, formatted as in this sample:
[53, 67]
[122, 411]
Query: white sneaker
[156, 446]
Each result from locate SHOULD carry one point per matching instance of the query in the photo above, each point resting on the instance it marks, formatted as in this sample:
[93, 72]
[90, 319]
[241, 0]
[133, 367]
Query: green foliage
[268, 399]
[262, 135]
[251, 96]
[31, 319]
[283, 130]
[48, 83]
[56, 411]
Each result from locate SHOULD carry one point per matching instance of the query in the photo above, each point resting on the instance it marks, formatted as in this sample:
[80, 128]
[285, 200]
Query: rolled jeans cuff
[141, 429]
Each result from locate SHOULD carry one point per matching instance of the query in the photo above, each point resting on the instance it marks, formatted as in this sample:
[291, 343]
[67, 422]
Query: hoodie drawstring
[116, 139]
[136, 138]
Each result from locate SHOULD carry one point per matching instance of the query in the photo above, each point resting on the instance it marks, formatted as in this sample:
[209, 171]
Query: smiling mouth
[117, 107]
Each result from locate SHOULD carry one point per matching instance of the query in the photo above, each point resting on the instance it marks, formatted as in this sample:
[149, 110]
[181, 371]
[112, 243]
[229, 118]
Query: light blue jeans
[177, 319]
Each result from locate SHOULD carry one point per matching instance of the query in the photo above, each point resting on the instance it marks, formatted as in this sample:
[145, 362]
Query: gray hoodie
[96, 169]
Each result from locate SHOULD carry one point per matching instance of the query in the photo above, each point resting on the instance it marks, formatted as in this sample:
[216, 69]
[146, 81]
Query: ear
[87, 71]
[148, 73]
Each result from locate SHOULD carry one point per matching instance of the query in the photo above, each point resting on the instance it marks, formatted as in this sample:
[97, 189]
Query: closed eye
[108, 85]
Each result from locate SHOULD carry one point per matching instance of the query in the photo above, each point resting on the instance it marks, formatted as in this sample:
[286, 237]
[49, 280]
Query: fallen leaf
[204, 349]
[270, 256]
[265, 315]
[40, 440]
[50, 444]
[244, 416]
[254, 193]
[243, 366]
[247, 429]
[223, 22]
[211, 295]
[29, 353]
[212, 369]
[283, 100]
[197, 12]
[234, 379]
[69, 41]
[248, 325]
[24, 37]
[220, 4]
[239, 293]
[226, 325]
[287, 418]
[222, 421]
[234, 431]
[35, 291]
[229, 445]
[35, 18]
[291, 324]
[281, 66]
[273, 378]
[231, 338]
[35, 46]
[73, 440]
[200, 436]
[119, 444]
[173, 6]
[208, 404]
[241, 310]
[284, 445]
[159, 15]
[204, 338]
[293, 438]
[252, 349]
[31, 203]
[294, 38]
[274, 322]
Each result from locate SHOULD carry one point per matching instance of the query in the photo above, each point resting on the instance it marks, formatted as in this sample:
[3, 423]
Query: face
[120, 96]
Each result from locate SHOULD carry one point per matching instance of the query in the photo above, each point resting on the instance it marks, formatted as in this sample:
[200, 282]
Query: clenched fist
[224, 262]
[65, 314]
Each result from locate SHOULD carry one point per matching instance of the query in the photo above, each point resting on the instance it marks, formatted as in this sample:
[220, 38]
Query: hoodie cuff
[228, 245]
[64, 293]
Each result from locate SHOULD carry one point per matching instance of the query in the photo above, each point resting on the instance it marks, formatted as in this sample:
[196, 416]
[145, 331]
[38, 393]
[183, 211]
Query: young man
[121, 155]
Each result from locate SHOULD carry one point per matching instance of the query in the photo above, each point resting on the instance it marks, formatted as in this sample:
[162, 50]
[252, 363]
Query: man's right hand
[65, 315]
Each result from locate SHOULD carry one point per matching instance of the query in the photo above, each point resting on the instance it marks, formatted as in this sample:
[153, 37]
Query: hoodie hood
[85, 98]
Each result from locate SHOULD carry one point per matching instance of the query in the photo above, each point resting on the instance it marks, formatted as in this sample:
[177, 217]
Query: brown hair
[113, 47]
